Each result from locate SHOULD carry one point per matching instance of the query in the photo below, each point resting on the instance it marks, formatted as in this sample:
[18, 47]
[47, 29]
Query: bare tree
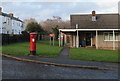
[49, 24]
[27, 21]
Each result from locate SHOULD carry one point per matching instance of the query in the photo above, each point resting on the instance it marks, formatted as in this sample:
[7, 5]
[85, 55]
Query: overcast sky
[43, 10]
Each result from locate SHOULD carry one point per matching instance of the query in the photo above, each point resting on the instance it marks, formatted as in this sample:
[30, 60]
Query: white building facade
[10, 24]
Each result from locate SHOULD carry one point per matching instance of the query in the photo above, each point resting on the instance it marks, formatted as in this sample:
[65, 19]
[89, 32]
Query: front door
[88, 39]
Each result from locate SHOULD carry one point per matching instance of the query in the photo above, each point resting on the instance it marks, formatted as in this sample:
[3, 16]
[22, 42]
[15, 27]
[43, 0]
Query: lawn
[94, 54]
[43, 49]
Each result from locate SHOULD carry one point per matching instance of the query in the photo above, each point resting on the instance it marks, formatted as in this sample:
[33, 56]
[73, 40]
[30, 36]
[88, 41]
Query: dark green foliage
[34, 27]
[24, 32]
[8, 39]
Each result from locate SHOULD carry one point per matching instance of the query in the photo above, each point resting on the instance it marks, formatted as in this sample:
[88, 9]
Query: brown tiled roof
[104, 21]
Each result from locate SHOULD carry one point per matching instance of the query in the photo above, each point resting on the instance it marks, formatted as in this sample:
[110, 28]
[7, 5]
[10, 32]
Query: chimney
[93, 16]
[11, 14]
[93, 13]
[0, 9]
[76, 26]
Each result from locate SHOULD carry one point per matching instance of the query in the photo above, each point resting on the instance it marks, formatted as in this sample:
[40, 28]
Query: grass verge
[43, 49]
[94, 54]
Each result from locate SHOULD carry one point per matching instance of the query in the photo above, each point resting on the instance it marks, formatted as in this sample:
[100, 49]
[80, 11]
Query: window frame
[112, 36]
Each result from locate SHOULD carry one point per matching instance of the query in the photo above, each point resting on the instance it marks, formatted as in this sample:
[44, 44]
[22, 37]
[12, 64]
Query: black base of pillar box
[32, 52]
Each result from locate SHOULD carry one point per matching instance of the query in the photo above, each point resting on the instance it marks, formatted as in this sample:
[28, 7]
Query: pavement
[64, 53]
[108, 65]
[63, 60]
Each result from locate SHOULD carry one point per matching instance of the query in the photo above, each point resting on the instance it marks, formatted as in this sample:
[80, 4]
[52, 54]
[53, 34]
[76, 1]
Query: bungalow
[92, 30]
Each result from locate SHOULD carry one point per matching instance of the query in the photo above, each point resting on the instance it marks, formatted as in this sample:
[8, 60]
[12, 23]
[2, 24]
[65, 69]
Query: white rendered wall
[6, 25]
[0, 24]
[10, 26]
[16, 27]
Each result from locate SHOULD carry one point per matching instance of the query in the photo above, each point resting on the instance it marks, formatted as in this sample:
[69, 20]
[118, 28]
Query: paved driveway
[13, 69]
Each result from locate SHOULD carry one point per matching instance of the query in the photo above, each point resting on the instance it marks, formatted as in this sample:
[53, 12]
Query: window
[19, 31]
[13, 22]
[13, 31]
[7, 32]
[93, 18]
[117, 36]
[5, 19]
[108, 36]
[8, 21]
[21, 25]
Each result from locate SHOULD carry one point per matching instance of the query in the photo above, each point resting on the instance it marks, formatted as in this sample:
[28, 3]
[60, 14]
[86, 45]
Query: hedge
[8, 39]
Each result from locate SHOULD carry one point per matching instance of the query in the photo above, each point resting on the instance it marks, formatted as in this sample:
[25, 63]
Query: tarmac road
[13, 69]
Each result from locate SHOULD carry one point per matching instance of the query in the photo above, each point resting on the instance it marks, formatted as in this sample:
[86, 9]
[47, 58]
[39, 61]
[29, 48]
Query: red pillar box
[33, 43]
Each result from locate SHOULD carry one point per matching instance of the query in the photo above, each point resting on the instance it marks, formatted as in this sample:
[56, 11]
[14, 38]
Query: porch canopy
[61, 31]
